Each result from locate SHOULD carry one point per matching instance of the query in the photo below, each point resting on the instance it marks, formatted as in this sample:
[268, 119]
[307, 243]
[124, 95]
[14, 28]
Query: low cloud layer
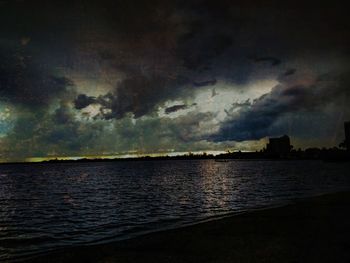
[257, 119]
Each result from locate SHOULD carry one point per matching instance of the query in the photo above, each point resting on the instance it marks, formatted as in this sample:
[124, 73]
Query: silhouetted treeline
[332, 154]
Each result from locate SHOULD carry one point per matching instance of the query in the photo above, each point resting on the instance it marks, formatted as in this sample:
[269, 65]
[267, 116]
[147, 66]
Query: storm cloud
[178, 107]
[256, 120]
[115, 76]
[24, 82]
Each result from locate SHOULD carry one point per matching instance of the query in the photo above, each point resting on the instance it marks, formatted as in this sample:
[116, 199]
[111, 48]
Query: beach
[309, 230]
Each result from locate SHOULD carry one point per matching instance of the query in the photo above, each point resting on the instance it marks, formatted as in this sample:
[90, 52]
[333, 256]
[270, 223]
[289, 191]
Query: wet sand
[311, 230]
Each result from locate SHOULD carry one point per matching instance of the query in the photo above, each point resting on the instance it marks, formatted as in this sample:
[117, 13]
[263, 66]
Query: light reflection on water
[50, 206]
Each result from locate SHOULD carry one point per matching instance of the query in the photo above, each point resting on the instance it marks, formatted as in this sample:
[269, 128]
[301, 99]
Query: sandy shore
[312, 230]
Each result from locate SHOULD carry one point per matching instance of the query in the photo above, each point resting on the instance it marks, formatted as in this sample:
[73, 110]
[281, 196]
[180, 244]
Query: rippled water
[44, 207]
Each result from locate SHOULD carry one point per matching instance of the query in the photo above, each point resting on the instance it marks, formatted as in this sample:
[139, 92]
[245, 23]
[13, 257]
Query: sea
[46, 207]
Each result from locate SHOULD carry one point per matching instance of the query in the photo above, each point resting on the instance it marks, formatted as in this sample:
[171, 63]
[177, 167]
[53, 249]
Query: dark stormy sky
[82, 78]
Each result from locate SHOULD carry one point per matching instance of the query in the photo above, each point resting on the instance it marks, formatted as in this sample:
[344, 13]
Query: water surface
[49, 206]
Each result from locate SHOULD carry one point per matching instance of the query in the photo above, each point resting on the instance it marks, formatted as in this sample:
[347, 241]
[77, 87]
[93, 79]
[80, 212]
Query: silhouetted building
[347, 135]
[279, 146]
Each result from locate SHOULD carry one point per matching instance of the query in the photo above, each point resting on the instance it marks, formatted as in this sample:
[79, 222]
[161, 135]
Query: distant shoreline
[309, 230]
[338, 156]
[156, 159]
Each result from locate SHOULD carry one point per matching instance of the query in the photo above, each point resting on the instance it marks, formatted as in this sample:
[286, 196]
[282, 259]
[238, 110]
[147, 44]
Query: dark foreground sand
[313, 230]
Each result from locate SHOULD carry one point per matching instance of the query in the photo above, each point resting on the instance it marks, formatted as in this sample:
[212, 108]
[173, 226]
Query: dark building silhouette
[347, 135]
[279, 146]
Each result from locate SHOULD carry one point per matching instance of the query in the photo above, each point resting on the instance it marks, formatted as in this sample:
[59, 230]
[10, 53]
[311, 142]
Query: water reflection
[50, 206]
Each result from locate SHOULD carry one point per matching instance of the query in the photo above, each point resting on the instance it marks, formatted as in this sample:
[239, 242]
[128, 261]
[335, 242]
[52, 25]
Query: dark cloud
[82, 101]
[106, 55]
[242, 104]
[207, 48]
[205, 83]
[257, 119]
[138, 95]
[175, 108]
[178, 107]
[289, 72]
[134, 56]
[24, 82]
[165, 47]
[274, 61]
